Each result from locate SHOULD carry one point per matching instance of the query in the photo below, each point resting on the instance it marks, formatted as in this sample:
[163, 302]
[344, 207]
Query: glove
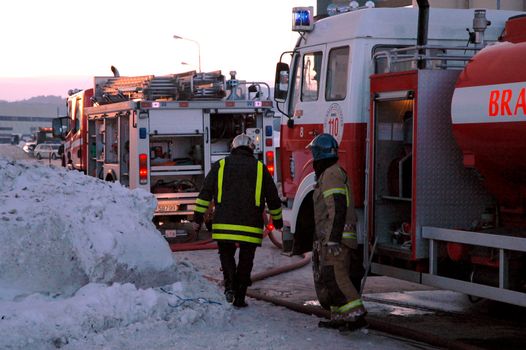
[278, 224]
[334, 248]
[196, 226]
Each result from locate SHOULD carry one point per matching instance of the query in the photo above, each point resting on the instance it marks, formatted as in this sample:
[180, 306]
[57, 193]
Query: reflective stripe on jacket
[239, 185]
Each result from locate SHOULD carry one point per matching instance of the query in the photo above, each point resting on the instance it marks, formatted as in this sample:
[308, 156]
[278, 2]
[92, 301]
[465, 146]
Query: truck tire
[304, 235]
[53, 156]
[38, 156]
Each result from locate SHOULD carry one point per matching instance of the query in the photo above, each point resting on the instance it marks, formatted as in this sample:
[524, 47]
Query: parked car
[29, 146]
[46, 150]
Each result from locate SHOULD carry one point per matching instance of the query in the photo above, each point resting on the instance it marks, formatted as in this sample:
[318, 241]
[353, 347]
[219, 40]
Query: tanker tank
[489, 118]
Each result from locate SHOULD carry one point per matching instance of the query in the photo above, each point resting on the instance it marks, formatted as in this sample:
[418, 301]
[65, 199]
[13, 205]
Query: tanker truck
[430, 135]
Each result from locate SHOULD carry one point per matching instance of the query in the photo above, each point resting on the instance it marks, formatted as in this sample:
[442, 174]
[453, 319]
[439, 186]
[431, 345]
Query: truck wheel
[39, 156]
[304, 235]
[53, 156]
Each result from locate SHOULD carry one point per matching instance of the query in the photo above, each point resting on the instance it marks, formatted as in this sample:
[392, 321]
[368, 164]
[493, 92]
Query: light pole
[198, 47]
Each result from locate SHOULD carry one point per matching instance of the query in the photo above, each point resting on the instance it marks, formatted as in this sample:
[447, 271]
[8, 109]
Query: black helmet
[324, 146]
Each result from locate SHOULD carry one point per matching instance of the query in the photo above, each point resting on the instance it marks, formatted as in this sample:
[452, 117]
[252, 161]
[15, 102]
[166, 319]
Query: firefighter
[335, 243]
[239, 185]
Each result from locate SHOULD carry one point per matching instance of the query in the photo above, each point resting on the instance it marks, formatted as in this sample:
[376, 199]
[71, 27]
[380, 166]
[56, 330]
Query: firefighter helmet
[243, 140]
[323, 146]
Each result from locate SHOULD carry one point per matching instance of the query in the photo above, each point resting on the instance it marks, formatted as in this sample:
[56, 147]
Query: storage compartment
[393, 175]
[225, 126]
[176, 163]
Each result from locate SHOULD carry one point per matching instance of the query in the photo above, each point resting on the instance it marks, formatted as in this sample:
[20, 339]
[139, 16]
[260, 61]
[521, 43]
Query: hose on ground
[278, 270]
[198, 245]
[187, 247]
[374, 323]
[275, 240]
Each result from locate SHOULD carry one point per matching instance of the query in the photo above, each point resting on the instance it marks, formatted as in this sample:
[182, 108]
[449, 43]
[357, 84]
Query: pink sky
[60, 43]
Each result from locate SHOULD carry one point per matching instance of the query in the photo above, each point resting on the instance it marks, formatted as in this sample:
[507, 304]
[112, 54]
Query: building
[23, 126]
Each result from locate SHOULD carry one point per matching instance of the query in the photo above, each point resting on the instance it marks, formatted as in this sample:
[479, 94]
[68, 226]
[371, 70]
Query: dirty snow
[82, 267]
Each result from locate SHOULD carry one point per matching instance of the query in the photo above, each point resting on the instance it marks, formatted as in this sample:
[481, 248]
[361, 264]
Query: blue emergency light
[302, 19]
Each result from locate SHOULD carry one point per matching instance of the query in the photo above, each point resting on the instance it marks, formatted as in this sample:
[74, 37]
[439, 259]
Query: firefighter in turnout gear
[335, 255]
[239, 185]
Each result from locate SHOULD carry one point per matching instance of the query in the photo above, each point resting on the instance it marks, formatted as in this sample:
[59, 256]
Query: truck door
[304, 108]
[74, 144]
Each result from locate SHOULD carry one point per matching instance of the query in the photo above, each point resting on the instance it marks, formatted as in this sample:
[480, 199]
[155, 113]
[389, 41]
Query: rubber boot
[345, 325]
[239, 298]
[357, 324]
[229, 296]
[333, 324]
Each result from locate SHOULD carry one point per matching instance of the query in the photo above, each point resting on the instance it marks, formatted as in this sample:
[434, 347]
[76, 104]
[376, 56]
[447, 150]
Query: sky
[60, 42]
[96, 274]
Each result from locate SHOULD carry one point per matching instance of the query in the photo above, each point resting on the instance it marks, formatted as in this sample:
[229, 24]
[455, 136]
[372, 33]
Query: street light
[198, 47]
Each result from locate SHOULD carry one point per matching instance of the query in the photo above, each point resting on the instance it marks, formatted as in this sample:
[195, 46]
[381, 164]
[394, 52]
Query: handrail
[422, 53]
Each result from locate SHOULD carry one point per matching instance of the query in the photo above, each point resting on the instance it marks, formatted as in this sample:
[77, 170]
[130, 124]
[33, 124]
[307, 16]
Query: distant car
[46, 150]
[29, 146]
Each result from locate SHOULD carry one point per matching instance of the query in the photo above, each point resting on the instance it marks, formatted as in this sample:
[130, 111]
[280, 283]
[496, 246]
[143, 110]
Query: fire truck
[429, 117]
[162, 134]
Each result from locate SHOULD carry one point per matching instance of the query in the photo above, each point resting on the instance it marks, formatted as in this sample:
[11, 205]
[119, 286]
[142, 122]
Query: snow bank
[61, 230]
[79, 256]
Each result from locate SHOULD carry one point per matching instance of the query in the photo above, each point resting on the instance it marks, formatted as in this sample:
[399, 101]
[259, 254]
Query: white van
[46, 150]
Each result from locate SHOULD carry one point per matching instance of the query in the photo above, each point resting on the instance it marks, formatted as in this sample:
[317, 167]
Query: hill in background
[39, 106]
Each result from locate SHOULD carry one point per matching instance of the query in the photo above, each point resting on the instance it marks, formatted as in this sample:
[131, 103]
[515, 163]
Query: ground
[82, 267]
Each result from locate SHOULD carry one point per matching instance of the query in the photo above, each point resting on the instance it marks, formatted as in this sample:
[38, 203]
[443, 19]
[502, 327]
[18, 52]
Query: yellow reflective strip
[241, 228]
[350, 235]
[200, 209]
[240, 238]
[347, 196]
[259, 182]
[276, 217]
[350, 305]
[220, 180]
[332, 191]
[275, 211]
[202, 202]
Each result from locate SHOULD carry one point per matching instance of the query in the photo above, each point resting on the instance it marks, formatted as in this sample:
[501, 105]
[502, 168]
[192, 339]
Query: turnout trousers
[236, 276]
[332, 275]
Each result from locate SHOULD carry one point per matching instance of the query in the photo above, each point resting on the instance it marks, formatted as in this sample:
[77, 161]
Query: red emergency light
[269, 156]
[143, 168]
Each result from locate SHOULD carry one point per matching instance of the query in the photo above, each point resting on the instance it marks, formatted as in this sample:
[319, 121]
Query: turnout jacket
[239, 185]
[334, 208]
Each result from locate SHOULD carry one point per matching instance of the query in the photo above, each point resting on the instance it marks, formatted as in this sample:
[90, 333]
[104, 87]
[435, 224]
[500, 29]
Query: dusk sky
[51, 46]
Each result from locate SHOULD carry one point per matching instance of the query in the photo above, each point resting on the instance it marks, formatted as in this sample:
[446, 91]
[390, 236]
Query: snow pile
[79, 256]
[75, 230]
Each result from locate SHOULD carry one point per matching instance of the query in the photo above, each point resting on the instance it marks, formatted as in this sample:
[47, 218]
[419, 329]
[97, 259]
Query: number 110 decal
[334, 122]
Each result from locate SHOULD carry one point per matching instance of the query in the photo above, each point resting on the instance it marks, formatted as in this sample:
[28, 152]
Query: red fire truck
[430, 136]
[162, 134]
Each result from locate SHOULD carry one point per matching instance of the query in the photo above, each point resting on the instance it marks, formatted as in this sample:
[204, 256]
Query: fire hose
[374, 322]
[210, 244]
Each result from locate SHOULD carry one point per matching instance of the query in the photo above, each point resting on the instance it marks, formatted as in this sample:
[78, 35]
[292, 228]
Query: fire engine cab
[162, 133]
[438, 198]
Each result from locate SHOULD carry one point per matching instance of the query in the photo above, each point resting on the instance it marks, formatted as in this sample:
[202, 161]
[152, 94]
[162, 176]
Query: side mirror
[281, 82]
